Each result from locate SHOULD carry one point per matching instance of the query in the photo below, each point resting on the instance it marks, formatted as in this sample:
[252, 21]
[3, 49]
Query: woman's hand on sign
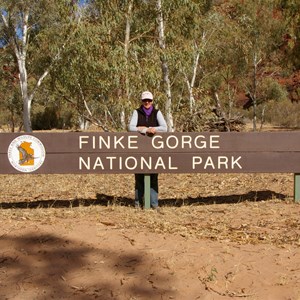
[142, 129]
[146, 130]
[151, 130]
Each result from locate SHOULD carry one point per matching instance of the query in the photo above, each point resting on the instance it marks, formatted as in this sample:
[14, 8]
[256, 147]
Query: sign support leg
[147, 191]
[297, 187]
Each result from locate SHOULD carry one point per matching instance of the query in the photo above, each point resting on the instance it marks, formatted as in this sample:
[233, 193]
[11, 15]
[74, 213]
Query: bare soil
[217, 236]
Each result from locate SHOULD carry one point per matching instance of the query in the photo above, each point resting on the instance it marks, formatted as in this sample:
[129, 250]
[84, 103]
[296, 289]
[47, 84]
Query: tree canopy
[87, 62]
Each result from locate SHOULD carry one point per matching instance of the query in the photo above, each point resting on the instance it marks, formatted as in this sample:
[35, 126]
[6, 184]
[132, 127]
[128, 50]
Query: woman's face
[147, 103]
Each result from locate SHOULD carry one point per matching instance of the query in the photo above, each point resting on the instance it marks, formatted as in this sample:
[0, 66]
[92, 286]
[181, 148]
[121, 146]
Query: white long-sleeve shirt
[162, 125]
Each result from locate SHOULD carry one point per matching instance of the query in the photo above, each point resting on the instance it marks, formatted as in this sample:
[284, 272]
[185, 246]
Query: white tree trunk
[192, 99]
[191, 83]
[126, 45]
[254, 95]
[24, 92]
[126, 49]
[165, 68]
[20, 50]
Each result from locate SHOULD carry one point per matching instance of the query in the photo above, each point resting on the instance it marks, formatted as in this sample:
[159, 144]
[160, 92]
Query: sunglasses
[147, 100]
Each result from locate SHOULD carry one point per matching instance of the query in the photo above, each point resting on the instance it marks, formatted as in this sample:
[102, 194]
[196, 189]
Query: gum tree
[261, 28]
[36, 40]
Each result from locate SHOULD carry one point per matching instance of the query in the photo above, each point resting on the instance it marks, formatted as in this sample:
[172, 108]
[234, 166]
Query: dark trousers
[140, 189]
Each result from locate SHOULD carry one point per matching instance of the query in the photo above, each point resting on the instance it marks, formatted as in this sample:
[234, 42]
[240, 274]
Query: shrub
[49, 119]
[284, 113]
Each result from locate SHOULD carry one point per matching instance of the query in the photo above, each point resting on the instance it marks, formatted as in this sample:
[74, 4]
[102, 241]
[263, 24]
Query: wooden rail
[110, 153]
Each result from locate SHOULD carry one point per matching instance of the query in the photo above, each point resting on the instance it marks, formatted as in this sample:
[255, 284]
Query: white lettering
[160, 163]
[108, 142]
[134, 163]
[159, 144]
[132, 140]
[111, 158]
[209, 163]
[213, 141]
[150, 163]
[82, 141]
[186, 139]
[168, 142]
[117, 141]
[202, 144]
[219, 162]
[120, 163]
[144, 162]
[235, 162]
[98, 163]
[223, 160]
[102, 141]
[86, 164]
[186, 142]
[170, 164]
[197, 160]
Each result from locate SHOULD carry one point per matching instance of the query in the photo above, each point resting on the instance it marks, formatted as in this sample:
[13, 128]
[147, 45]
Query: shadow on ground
[45, 266]
[105, 200]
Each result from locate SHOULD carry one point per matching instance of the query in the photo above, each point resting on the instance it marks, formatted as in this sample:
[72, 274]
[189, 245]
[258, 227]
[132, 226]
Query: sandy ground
[217, 236]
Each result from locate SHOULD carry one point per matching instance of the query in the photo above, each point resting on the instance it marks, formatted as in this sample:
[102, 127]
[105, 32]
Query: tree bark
[20, 52]
[254, 94]
[126, 49]
[164, 66]
[19, 43]
[191, 83]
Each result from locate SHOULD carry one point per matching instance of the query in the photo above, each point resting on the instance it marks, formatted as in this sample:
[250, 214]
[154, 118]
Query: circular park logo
[26, 153]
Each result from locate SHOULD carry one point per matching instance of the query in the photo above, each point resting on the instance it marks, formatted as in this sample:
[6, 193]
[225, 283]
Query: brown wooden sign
[93, 152]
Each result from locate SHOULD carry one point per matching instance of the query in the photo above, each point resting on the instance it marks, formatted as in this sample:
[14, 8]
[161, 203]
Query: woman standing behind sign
[147, 120]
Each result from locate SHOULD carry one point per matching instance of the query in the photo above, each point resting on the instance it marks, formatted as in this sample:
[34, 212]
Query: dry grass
[248, 208]
[269, 222]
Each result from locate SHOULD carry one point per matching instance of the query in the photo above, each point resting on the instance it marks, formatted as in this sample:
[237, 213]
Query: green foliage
[240, 47]
[49, 119]
[272, 90]
[198, 120]
[285, 114]
[45, 120]
[290, 43]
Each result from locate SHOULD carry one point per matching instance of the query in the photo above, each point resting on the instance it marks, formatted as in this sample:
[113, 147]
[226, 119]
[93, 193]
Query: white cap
[147, 95]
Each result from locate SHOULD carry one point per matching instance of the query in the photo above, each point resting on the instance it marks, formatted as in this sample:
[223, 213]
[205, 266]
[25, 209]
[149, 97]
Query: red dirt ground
[216, 237]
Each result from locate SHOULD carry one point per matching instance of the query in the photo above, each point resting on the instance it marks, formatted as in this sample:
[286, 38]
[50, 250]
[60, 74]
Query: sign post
[297, 187]
[147, 191]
